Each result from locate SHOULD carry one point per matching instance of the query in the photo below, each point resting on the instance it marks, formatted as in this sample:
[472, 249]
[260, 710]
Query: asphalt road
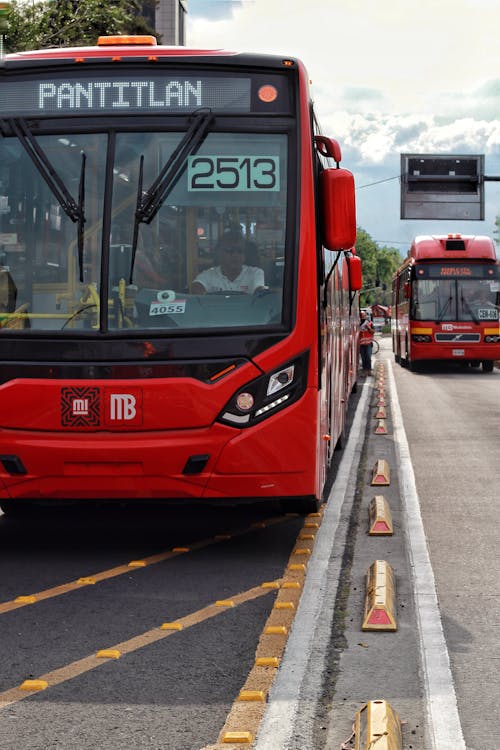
[452, 418]
[172, 693]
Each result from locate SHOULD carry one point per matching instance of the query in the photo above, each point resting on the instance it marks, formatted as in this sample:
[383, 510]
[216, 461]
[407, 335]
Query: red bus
[446, 301]
[124, 168]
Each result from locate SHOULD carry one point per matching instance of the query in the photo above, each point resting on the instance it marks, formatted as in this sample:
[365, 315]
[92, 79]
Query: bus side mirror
[355, 273]
[338, 209]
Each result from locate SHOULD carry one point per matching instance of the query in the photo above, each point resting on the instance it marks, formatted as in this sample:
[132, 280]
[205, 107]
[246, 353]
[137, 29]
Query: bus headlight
[267, 394]
[492, 339]
[421, 338]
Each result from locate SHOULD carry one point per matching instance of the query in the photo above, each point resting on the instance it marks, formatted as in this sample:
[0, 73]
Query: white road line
[445, 731]
[311, 629]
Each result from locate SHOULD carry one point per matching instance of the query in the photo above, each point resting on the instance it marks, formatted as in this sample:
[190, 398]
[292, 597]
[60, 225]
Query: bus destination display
[111, 95]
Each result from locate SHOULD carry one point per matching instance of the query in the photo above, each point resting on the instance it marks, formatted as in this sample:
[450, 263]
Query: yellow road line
[65, 588]
[76, 668]
[245, 715]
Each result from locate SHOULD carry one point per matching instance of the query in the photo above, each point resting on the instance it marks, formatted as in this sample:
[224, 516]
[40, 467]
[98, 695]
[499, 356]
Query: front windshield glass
[209, 254]
[467, 299]
[212, 254]
[40, 267]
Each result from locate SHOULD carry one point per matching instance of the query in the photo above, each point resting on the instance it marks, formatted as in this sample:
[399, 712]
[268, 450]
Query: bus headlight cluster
[267, 394]
[492, 339]
[421, 338]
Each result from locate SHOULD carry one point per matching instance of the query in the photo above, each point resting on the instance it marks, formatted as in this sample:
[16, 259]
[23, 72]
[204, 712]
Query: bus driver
[231, 275]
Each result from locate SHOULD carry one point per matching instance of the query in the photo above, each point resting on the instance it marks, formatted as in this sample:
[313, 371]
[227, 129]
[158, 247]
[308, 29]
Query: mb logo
[122, 409]
[122, 406]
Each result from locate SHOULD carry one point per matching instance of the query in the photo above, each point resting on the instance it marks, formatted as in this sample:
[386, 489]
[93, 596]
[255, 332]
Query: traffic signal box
[447, 186]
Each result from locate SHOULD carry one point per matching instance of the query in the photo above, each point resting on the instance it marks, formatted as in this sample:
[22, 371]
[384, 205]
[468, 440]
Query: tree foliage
[379, 265]
[70, 23]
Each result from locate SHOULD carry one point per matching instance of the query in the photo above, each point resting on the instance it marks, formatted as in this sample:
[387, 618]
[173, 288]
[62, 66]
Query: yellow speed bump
[380, 598]
[381, 473]
[377, 725]
[267, 661]
[34, 685]
[238, 737]
[251, 695]
[108, 653]
[380, 517]
[28, 599]
[171, 626]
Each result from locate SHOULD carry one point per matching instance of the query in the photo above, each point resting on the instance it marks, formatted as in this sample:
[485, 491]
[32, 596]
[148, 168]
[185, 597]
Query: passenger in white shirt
[231, 275]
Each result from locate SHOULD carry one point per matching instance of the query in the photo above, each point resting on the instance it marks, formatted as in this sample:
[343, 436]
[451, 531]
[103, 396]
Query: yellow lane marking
[244, 717]
[76, 668]
[65, 588]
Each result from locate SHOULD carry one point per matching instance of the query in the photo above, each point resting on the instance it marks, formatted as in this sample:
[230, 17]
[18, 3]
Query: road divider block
[379, 514]
[381, 428]
[381, 473]
[380, 598]
[380, 413]
[377, 725]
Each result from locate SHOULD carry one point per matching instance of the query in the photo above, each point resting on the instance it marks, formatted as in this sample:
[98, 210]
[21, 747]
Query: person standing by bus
[366, 335]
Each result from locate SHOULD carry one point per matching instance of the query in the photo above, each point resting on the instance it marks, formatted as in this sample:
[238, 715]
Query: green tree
[65, 23]
[496, 231]
[379, 265]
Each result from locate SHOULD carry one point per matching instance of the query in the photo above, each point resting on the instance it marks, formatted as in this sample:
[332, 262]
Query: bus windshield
[204, 248]
[459, 299]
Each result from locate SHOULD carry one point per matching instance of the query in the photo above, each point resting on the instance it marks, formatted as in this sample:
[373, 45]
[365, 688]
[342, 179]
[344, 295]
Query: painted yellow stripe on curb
[245, 716]
[76, 668]
[104, 575]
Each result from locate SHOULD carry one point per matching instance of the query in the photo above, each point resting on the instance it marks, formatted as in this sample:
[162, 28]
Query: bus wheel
[300, 505]
[487, 365]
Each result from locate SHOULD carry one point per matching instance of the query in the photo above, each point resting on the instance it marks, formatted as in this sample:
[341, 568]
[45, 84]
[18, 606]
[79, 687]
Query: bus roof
[125, 48]
[452, 247]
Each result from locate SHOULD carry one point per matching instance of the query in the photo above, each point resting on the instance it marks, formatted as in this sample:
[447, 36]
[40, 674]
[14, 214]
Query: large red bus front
[447, 302]
[126, 371]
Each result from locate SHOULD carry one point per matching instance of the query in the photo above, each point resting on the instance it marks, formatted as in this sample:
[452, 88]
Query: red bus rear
[173, 322]
[446, 302]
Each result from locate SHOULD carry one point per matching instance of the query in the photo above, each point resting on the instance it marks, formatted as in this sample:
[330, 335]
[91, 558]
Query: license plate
[458, 352]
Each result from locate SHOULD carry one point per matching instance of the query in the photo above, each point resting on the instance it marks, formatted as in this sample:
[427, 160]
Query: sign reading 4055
[248, 173]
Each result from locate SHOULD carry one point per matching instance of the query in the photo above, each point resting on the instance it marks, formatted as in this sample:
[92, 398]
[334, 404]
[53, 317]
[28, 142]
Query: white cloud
[388, 77]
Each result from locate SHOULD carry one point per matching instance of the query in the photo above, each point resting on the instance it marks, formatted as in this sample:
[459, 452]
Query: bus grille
[464, 337]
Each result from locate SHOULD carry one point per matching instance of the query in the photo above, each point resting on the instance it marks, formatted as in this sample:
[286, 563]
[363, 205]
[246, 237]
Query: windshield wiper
[150, 202]
[465, 303]
[445, 308]
[75, 211]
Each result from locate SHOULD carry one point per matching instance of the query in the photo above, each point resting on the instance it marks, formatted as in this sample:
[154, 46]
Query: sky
[388, 77]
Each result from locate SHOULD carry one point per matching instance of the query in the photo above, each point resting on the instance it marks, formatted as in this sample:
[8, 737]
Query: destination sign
[457, 271]
[150, 92]
[101, 95]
